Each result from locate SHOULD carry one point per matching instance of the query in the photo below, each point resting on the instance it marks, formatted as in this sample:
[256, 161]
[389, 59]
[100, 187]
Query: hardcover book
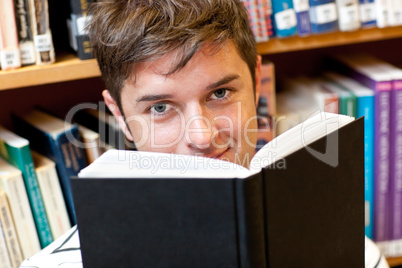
[348, 15]
[10, 233]
[52, 137]
[303, 18]
[24, 27]
[10, 57]
[323, 16]
[52, 194]
[16, 150]
[12, 184]
[367, 13]
[41, 32]
[169, 210]
[285, 21]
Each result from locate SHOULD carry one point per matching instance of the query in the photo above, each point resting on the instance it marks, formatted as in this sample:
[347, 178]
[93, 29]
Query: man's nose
[199, 131]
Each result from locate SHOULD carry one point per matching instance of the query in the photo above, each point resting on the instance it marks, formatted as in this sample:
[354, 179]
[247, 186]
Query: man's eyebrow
[223, 81]
[155, 97]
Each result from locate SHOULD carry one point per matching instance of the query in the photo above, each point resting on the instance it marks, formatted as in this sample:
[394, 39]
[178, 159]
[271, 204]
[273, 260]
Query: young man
[182, 76]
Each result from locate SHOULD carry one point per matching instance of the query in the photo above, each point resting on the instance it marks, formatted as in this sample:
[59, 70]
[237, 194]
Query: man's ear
[114, 108]
[257, 80]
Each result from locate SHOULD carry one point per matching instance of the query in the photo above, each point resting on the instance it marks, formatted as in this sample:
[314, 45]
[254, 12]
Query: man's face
[208, 108]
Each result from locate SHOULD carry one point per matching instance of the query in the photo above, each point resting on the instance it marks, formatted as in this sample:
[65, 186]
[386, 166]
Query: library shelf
[67, 68]
[283, 45]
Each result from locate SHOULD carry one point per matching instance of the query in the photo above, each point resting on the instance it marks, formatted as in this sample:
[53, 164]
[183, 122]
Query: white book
[52, 194]
[91, 143]
[12, 183]
[382, 8]
[348, 15]
[10, 233]
[10, 56]
[5, 261]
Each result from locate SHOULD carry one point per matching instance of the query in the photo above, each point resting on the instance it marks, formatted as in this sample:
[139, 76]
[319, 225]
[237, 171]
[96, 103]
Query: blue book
[59, 141]
[367, 13]
[303, 17]
[364, 107]
[323, 16]
[285, 21]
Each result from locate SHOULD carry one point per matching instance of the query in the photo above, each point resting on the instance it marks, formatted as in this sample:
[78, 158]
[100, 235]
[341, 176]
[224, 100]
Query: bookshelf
[71, 81]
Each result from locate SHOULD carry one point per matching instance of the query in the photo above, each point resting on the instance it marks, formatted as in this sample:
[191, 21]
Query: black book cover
[309, 214]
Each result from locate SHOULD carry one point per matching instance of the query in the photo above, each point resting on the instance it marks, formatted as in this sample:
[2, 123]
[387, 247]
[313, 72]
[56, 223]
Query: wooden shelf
[67, 68]
[395, 261]
[277, 45]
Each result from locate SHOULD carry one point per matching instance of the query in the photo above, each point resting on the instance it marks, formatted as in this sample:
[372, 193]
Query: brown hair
[126, 32]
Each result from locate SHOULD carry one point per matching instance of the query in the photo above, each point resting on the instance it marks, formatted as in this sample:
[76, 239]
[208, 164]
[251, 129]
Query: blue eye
[159, 107]
[220, 93]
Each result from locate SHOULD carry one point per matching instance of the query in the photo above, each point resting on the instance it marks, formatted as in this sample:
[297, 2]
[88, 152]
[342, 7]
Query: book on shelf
[54, 138]
[5, 259]
[364, 107]
[395, 15]
[346, 99]
[12, 183]
[78, 35]
[24, 30]
[224, 214]
[258, 12]
[323, 16]
[10, 233]
[9, 49]
[101, 121]
[52, 194]
[91, 143]
[266, 109]
[303, 18]
[284, 18]
[348, 15]
[41, 32]
[382, 8]
[367, 13]
[16, 150]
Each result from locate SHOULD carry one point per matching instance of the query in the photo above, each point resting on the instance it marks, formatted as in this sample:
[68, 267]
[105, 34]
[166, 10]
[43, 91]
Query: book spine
[80, 34]
[382, 12]
[5, 261]
[261, 9]
[251, 7]
[396, 160]
[367, 13]
[22, 214]
[23, 160]
[54, 201]
[348, 14]
[382, 161]
[285, 21]
[395, 18]
[9, 49]
[267, 6]
[250, 214]
[365, 107]
[70, 160]
[9, 231]
[23, 19]
[41, 32]
[303, 18]
[323, 16]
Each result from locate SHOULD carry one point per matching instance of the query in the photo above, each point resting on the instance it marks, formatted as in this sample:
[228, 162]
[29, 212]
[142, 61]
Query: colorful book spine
[285, 21]
[346, 99]
[348, 15]
[12, 183]
[69, 159]
[10, 57]
[25, 37]
[303, 18]
[251, 7]
[367, 13]
[10, 233]
[41, 32]
[396, 164]
[20, 157]
[323, 16]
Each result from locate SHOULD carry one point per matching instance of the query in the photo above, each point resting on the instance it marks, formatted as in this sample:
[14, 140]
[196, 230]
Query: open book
[301, 202]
